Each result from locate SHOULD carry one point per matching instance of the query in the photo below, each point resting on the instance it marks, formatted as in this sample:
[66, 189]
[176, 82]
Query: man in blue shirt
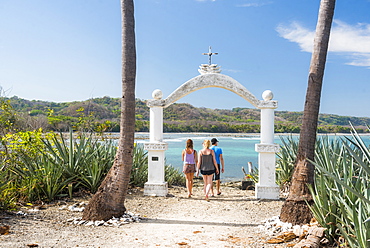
[220, 161]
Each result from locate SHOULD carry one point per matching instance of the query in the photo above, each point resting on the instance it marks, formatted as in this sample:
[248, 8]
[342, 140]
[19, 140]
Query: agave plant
[331, 155]
[55, 166]
[85, 160]
[50, 179]
[70, 153]
[342, 190]
[285, 161]
[173, 176]
[139, 171]
[95, 168]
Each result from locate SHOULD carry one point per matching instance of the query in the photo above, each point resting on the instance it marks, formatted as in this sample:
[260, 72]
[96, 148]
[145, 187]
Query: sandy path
[228, 220]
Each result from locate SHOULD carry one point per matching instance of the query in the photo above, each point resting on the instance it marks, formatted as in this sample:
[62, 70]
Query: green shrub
[7, 191]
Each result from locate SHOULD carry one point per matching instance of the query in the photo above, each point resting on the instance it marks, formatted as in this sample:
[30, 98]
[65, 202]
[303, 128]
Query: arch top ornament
[207, 80]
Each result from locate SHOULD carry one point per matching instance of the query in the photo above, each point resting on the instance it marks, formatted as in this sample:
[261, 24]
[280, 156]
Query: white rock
[81, 222]
[76, 209]
[126, 218]
[274, 225]
[90, 223]
[33, 210]
[99, 222]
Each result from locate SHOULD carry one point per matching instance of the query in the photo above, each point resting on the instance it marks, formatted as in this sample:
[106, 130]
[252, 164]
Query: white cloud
[352, 41]
[297, 33]
[254, 3]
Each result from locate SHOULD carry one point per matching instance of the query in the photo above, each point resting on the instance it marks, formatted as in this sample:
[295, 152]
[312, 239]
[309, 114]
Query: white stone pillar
[266, 188]
[156, 186]
[267, 126]
[156, 124]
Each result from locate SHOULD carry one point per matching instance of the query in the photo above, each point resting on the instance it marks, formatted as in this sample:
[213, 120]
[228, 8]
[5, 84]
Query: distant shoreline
[145, 135]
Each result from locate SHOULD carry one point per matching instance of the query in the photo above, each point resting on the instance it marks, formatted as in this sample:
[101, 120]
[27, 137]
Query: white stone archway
[210, 76]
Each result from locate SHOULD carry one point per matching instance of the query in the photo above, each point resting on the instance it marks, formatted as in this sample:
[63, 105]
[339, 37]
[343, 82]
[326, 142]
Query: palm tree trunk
[295, 209]
[109, 200]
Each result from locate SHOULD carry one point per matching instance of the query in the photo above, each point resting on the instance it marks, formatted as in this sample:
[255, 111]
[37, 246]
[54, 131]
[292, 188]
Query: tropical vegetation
[341, 190]
[103, 115]
[40, 166]
[37, 166]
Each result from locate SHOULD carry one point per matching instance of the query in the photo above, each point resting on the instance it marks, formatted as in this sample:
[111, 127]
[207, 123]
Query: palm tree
[109, 199]
[295, 209]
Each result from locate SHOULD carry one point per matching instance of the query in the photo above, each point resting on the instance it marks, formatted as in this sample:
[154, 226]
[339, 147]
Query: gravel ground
[231, 219]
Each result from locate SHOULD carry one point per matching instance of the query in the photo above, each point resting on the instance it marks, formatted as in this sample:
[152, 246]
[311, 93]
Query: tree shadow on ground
[232, 198]
[200, 223]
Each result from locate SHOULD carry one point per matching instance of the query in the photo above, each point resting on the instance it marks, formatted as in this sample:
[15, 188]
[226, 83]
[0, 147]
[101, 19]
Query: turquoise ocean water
[238, 149]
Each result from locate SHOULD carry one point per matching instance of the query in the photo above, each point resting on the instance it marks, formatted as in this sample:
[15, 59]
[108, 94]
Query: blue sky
[70, 50]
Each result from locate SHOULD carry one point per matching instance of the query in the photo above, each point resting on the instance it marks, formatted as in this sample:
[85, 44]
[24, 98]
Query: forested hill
[103, 114]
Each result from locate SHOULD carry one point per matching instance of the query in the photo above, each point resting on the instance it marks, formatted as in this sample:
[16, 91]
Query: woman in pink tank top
[189, 158]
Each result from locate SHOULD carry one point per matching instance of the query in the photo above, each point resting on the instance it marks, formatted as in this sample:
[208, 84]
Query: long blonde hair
[206, 144]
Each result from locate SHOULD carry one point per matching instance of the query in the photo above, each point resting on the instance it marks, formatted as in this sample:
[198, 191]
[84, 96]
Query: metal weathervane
[210, 53]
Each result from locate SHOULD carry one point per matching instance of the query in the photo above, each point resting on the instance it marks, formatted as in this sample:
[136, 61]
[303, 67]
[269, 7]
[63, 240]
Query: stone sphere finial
[157, 94]
[267, 95]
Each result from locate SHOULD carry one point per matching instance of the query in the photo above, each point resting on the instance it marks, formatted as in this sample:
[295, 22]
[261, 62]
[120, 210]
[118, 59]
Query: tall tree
[295, 209]
[109, 199]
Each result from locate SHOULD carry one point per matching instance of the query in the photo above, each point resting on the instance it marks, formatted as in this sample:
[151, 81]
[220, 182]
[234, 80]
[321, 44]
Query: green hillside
[102, 114]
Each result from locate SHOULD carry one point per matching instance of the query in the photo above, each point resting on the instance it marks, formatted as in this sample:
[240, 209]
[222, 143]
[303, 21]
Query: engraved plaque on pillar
[155, 146]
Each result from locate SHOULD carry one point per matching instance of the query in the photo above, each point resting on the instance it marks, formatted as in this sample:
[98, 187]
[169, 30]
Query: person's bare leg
[209, 179]
[188, 183]
[212, 186]
[191, 182]
[205, 183]
[208, 187]
[218, 184]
